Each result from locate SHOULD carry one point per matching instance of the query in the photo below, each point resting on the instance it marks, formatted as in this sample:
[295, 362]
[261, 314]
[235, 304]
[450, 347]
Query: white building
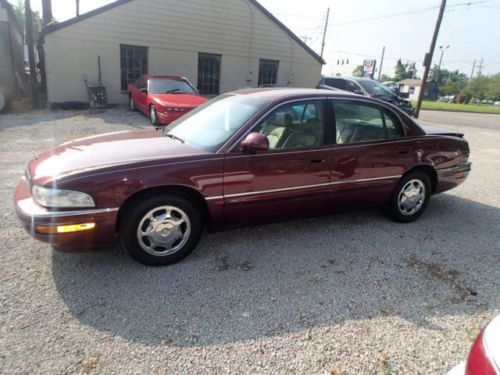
[412, 88]
[219, 45]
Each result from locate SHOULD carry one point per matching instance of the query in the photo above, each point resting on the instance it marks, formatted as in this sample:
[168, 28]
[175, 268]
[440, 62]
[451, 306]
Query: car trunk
[431, 130]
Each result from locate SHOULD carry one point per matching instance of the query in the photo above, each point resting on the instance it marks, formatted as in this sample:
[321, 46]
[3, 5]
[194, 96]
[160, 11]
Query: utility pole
[324, 32]
[428, 58]
[480, 67]
[381, 63]
[443, 50]
[473, 68]
[31, 52]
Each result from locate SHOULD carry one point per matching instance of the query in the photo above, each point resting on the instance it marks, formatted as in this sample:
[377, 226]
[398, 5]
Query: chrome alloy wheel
[411, 197]
[164, 230]
[152, 115]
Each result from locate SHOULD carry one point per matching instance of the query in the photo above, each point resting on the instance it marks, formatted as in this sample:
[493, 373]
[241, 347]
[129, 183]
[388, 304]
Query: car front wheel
[410, 197]
[131, 103]
[153, 115]
[161, 230]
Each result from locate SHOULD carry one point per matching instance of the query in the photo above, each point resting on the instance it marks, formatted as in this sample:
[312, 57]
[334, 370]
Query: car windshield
[376, 89]
[170, 86]
[210, 125]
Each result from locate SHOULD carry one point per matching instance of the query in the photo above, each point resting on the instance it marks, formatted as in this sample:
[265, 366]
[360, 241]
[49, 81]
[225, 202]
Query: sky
[358, 30]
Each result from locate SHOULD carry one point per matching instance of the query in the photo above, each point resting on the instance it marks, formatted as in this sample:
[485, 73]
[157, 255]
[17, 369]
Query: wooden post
[428, 58]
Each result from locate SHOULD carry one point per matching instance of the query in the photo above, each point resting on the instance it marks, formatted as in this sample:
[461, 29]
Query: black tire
[131, 103]
[135, 215]
[153, 115]
[396, 210]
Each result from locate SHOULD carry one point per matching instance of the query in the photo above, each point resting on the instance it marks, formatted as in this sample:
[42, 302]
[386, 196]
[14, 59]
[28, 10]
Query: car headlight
[61, 198]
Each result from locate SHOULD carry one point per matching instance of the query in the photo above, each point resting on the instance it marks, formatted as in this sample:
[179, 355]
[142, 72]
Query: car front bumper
[34, 217]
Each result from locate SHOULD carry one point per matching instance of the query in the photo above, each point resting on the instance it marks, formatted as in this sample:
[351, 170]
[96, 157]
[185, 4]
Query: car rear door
[292, 179]
[370, 155]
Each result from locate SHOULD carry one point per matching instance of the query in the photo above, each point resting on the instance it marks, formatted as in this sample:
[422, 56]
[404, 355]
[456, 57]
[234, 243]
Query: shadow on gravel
[291, 277]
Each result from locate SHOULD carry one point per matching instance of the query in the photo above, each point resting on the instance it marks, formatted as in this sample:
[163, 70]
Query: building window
[268, 72]
[209, 74]
[133, 63]
[411, 91]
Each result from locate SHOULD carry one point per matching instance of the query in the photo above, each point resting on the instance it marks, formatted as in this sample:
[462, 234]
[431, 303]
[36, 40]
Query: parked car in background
[243, 158]
[484, 356]
[391, 85]
[163, 98]
[367, 87]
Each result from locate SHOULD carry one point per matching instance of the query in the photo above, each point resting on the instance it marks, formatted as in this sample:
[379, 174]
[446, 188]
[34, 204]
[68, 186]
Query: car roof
[150, 76]
[351, 78]
[279, 93]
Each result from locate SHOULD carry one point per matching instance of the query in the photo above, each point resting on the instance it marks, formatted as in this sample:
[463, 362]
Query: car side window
[361, 122]
[294, 125]
[392, 124]
[352, 87]
[338, 83]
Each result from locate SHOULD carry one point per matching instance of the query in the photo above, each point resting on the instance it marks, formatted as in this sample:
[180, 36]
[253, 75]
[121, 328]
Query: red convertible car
[243, 158]
[163, 99]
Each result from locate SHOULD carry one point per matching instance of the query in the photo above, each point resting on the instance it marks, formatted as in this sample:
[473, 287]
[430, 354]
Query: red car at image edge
[484, 356]
[163, 98]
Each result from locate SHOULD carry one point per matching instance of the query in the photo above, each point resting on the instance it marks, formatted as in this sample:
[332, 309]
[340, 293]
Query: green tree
[403, 71]
[37, 20]
[454, 82]
[385, 78]
[493, 91]
[358, 71]
[478, 87]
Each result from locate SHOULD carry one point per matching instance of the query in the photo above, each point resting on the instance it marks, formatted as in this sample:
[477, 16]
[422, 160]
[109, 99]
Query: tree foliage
[358, 71]
[493, 91]
[21, 19]
[404, 71]
[478, 87]
[385, 78]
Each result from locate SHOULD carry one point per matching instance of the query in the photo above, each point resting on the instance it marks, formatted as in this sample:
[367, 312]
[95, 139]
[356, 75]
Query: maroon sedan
[163, 99]
[243, 158]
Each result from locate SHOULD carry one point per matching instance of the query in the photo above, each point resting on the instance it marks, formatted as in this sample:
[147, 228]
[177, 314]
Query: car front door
[292, 178]
[370, 155]
[140, 97]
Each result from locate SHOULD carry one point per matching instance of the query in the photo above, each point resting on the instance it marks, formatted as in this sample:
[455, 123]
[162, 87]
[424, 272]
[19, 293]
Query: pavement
[351, 293]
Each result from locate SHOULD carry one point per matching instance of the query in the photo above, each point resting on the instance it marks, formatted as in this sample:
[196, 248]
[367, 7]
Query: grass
[438, 106]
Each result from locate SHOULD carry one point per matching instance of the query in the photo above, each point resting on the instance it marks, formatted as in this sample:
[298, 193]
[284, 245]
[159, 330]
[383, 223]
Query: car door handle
[317, 160]
[403, 151]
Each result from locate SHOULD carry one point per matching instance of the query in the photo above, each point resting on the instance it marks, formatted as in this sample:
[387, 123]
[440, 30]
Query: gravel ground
[351, 293]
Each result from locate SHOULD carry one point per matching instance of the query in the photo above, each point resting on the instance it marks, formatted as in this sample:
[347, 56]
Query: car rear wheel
[161, 230]
[410, 197]
[153, 115]
[131, 103]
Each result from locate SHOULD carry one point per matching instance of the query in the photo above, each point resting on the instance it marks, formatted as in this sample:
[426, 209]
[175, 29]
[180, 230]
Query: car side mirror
[358, 91]
[144, 91]
[254, 143]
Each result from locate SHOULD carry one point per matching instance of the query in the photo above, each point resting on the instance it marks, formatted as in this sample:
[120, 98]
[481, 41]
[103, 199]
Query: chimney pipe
[47, 12]
[78, 8]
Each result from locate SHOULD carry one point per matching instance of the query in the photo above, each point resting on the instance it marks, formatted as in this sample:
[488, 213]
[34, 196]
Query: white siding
[175, 32]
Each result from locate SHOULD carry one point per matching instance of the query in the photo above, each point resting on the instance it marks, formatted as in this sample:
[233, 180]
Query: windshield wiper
[175, 137]
[171, 91]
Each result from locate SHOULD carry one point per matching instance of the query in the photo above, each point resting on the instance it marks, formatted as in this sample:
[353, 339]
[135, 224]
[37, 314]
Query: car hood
[106, 151]
[179, 100]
